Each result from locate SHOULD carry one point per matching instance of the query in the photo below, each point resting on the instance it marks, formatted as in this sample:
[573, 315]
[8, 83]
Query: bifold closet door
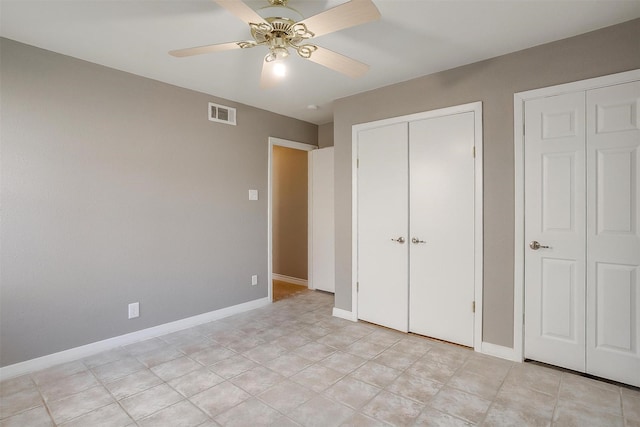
[555, 220]
[442, 212]
[383, 203]
[582, 225]
[613, 232]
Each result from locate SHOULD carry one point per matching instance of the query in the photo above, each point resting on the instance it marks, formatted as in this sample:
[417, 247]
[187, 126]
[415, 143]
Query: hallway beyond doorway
[283, 290]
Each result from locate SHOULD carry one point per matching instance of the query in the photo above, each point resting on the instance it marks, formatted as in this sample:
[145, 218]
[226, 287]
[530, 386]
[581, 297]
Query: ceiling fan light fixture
[280, 69]
[276, 54]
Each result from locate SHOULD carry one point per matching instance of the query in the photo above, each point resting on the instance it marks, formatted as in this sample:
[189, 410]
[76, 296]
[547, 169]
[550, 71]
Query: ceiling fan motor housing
[280, 34]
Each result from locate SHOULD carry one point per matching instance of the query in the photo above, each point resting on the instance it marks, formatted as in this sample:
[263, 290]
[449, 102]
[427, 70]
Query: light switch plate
[253, 194]
[254, 280]
[134, 310]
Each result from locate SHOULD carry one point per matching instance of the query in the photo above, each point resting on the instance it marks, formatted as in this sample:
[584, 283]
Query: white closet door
[555, 218]
[383, 226]
[322, 222]
[613, 239]
[441, 221]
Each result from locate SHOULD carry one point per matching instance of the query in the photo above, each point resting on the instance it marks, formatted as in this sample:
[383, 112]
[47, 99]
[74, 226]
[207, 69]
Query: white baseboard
[343, 314]
[499, 351]
[289, 279]
[81, 352]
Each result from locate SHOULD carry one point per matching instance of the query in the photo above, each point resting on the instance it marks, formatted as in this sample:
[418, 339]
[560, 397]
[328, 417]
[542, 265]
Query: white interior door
[322, 253]
[555, 218]
[613, 232]
[383, 226]
[441, 290]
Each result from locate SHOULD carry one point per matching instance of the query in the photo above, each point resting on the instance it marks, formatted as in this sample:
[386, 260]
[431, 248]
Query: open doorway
[288, 228]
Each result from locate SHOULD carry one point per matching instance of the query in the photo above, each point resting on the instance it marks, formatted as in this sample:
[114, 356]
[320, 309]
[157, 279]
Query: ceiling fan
[280, 33]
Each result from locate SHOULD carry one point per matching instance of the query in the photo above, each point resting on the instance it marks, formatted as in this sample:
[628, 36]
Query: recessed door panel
[559, 124]
[558, 188]
[557, 302]
[615, 190]
[617, 116]
[616, 289]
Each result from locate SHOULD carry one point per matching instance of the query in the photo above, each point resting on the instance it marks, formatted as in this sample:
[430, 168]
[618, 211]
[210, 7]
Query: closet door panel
[442, 192]
[383, 202]
[613, 235]
[555, 218]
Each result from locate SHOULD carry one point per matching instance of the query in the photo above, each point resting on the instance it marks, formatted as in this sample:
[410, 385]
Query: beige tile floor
[291, 364]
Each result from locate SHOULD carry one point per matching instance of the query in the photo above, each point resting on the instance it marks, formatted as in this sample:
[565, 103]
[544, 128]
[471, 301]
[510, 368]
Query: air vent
[222, 114]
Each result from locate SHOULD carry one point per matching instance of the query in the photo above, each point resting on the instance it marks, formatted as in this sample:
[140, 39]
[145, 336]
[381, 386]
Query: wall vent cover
[222, 114]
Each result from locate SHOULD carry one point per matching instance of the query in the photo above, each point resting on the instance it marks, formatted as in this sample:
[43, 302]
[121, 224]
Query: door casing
[297, 146]
[519, 250]
[475, 107]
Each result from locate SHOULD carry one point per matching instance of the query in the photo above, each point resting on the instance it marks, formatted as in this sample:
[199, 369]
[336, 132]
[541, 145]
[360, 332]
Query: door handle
[535, 246]
[416, 240]
[399, 240]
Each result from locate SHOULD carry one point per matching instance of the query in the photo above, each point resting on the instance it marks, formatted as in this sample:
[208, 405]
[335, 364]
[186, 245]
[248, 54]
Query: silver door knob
[416, 240]
[535, 246]
[399, 240]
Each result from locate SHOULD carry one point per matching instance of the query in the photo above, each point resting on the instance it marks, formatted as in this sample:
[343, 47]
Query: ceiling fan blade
[205, 49]
[269, 77]
[340, 63]
[350, 14]
[242, 11]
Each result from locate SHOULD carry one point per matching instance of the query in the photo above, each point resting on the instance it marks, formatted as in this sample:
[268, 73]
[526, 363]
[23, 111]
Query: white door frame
[296, 146]
[518, 121]
[475, 107]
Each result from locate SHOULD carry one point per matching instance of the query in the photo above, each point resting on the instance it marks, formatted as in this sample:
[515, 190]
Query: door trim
[297, 146]
[519, 100]
[475, 107]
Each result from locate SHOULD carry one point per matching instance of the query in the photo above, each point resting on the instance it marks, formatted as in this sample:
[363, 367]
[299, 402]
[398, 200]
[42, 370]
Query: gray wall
[290, 212]
[325, 135]
[610, 50]
[116, 189]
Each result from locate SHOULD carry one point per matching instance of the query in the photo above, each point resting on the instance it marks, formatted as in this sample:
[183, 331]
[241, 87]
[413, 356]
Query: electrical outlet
[254, 280]
[134, 310]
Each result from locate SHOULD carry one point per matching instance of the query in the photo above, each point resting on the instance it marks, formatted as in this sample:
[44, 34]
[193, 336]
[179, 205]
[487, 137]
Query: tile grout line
[493, 401]
[120, 348]
[44, 402]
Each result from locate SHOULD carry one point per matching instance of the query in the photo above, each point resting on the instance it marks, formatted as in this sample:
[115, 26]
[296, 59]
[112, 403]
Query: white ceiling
[413, 38]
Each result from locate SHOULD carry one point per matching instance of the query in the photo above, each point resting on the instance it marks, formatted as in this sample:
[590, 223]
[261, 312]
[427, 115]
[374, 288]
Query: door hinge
[357, 163]
[473, 152]
[473, 306]
[357, 286]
